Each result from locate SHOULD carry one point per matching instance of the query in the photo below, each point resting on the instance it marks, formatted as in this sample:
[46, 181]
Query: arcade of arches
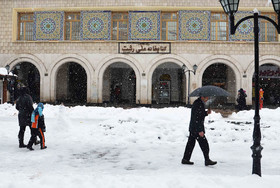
[168, 84]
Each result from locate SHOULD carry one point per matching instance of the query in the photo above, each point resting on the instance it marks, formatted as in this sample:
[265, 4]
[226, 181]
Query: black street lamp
[193, 71]
[230, 7]
[7, 67]
[10, 82]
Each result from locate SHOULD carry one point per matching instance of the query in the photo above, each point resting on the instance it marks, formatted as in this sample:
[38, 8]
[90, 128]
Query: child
[38, 127]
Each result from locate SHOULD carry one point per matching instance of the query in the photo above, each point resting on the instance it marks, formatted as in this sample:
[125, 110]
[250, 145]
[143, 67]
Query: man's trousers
[203, 143]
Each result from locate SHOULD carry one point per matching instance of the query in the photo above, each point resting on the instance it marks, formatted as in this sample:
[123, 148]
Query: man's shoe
[209, 162]
[30, 148]
[184, 161]
[22, 146]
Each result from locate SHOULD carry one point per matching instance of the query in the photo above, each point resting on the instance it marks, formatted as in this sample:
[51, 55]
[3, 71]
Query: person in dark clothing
[38, 127]
[241, 100]
[11, 89]
[197, 132]
[24, 105]
[117, 93]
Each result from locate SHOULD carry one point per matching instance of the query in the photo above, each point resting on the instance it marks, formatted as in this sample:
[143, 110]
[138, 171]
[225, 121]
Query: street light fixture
[10, 82]
[7, 67]
[276, 6]
[230, 7]
[184, 68]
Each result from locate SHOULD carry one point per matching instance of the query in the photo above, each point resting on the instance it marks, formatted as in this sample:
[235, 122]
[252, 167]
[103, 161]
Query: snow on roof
[3, 71]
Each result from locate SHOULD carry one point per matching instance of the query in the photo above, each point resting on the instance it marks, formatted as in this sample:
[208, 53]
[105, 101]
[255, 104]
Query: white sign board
[144, 47]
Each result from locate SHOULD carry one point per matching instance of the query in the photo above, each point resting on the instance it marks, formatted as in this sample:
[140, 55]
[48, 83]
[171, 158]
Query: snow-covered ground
[139, 147]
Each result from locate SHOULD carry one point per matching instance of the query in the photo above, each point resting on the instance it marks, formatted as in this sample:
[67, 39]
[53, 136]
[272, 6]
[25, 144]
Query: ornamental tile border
[245, 31]
[144, 25]
[48, 25]
[95, 25]
[194, 25]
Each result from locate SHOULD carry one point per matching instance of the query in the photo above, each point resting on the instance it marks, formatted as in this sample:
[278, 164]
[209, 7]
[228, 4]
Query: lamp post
[7, 67]
[230, 7]
[10, 83]
[193, 71]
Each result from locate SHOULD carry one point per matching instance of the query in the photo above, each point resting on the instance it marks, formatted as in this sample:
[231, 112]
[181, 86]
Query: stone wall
[9, 47]
[87, 3]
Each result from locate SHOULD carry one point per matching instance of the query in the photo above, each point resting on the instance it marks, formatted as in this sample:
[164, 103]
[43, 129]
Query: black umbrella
[209, 91]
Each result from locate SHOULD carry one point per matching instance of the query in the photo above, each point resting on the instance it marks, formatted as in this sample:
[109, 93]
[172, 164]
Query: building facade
[133, 52]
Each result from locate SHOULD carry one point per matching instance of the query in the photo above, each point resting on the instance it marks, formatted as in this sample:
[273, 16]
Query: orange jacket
[39, 122]
[35, 124]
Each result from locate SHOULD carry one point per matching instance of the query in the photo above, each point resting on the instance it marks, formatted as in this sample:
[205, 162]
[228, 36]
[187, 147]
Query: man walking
[24, 105]
[197, 132]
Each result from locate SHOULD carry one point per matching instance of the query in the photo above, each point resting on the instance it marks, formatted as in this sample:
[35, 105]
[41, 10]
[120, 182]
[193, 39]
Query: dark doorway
[269, 82]
[71, 85]
[168, 85]
[119, 85]
[29, 76]
[220, 75]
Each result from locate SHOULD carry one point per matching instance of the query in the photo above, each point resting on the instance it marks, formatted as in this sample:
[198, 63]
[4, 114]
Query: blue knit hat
[39, 110]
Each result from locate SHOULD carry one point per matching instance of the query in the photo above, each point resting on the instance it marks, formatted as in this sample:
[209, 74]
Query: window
[219, 26]
[169, 26]
[72, 26]
[120, 26]
[25, 29]
[268, 31]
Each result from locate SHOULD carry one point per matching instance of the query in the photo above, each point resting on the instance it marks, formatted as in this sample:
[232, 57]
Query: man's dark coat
[198, 114]
[24, 105]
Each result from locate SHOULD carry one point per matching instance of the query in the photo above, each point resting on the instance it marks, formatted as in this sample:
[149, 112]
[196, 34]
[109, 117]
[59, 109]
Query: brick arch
[37, 62]
[67, 59]
[267, 59]
[158, 61]
[133, 63]
[263, 60]
[223, 59]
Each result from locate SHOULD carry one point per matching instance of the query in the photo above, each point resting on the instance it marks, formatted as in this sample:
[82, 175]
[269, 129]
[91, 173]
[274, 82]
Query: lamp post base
[256, 159]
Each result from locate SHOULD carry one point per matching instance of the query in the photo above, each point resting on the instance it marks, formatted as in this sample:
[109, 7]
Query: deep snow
[138, 147]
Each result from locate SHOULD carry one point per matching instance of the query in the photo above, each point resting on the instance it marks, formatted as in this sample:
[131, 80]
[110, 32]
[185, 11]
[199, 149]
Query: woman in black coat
[24, 105]
[241, 100]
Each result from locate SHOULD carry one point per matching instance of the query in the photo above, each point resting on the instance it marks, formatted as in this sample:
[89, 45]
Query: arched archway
[269, 82]
[37, 64]
[250, 70]
[27, 75]
[71, 84]
[221, 75]
[119, 84]
[64, 59]
[168, 84]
